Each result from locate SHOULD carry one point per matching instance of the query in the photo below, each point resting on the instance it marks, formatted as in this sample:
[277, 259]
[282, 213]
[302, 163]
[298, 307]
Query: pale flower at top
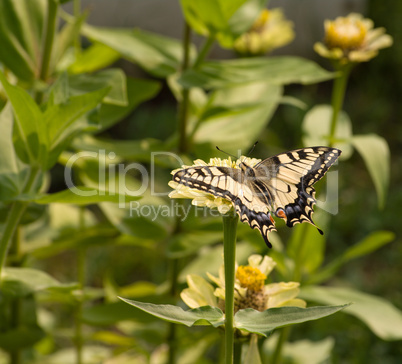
[271, 30]
[250, 288]
[201, 198]
[352, 39]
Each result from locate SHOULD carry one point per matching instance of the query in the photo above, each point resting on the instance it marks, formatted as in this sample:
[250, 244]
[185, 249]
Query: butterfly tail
[262, 221]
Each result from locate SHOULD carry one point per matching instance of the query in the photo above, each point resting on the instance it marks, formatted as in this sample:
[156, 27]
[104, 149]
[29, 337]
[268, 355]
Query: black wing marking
[291, 177]
[257, 218]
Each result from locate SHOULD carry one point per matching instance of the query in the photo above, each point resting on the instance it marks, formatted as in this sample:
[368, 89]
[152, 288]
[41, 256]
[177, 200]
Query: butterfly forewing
[219, 181]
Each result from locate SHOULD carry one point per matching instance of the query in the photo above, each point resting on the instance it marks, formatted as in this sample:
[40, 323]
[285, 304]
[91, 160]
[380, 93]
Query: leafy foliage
[87, 151]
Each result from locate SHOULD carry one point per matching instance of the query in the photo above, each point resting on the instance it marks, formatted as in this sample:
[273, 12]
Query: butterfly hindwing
[257, 218]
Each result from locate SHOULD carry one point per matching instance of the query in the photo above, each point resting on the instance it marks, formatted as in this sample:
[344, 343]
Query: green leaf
[370, 243]
[138, 91]
[209, 16]
[94, 58]
[232, 108]
[143, 220]
[13, 172]
[241, 21]
[112, 78]
[264, 322]
[316, 128]
[158, 55]
[383, 318]
[253, 351]
[111, 313]
[375, 153]
[307, 245]
[276, 70]
[221, 18]
[303, 351]
[19, 282]
[89, 237]
[184, 244]
[64, 121]
[206, 315]
[30, 127]
[139, 150]
[82, 195]
[21, 30]
[21, 337]
[59, 91]
[64, 52]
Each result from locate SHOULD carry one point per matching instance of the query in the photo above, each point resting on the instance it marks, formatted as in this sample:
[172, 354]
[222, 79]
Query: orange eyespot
[272, 219]
[280, 213]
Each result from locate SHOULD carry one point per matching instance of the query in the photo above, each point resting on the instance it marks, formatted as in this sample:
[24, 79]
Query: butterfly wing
[289, 179]
[229, 183]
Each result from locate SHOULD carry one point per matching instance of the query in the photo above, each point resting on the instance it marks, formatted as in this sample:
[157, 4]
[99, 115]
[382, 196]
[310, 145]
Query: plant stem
[184, 104]
[338, 95]
[52, 7]
[77, 13]
[13, 218]
[276, 358]
[15, 304]
[237, 352]
[297, 272]
[81, 254]
[204, 51]
[229, 257]
[171, 339]
[49, 37]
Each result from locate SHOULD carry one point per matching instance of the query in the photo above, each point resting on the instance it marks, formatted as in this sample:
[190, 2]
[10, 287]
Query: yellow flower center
[261, 21]
[345, 33]
[250, 278]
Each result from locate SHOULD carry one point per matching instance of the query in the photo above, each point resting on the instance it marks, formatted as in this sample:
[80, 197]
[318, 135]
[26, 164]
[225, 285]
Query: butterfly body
[282, 184]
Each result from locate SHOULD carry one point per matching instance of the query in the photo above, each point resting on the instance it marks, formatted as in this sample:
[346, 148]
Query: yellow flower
[250, 291]
[271, 30]
[352, 39]
[201, 198]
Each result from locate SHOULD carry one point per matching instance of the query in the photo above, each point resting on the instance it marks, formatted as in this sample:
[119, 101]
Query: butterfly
[281, 185]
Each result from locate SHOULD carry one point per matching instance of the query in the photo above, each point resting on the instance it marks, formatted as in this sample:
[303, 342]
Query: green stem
[13, 218]
[204, 51]
[338, 95]
[81, 258]
[277, 356]
[237, 352]
[229, 257]
[171, 339]
[52, 7]
[185, 101]
[15, 304]
[297, 273]
[77, 13]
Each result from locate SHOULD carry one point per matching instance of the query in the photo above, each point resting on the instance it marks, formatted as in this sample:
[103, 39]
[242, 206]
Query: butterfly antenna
[226, 152]
[252, 148]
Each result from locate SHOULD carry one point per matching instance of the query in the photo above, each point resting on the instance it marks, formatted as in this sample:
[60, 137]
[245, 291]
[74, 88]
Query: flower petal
[279, 293]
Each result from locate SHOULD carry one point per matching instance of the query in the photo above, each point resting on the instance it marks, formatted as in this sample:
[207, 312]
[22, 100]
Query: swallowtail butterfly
[281, 185]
